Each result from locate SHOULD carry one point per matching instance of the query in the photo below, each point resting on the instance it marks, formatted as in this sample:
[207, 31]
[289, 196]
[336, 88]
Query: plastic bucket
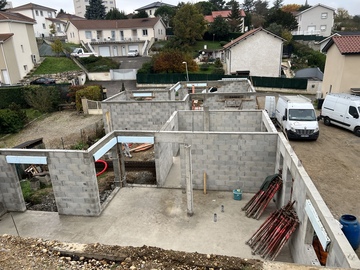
[237, 194]
[351, 229]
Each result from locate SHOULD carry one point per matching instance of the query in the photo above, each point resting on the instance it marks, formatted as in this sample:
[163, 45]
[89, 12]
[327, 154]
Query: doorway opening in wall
[36, 187]
[140, 165]
[105, 177]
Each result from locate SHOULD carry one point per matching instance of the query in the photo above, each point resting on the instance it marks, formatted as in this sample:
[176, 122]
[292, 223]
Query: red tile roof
[8, 16]
[114, 24]
[31, 6]
[4, 37]
[246, 35]
[223, 13]
[347, 44]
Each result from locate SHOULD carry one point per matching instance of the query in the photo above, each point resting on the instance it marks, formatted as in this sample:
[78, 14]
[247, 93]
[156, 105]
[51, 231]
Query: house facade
[80, 6]
[342, 65]
[43, 16]
[255, 53]
[116, 37]
[316, 20]
[19, 51]
[151, 8]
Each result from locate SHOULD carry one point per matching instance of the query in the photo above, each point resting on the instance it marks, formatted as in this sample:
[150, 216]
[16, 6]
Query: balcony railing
[121, 39]
[306, 33]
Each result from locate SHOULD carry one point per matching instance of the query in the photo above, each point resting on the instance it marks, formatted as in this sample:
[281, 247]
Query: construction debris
[274, 233]
[257, 204]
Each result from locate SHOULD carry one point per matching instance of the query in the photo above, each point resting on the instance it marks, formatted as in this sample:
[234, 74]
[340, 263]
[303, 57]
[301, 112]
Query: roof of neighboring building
[310, 73]
[310, 8]
[4, 37]
[56, 20]
[114, 24]
[222, 13]
[31, 6]
[327, 38]
[248, 34]
[154, 5]
[67, 17]
[345, 44]
[9, 16]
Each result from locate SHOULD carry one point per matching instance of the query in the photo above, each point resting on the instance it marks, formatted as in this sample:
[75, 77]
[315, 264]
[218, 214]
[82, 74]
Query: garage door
[104, 51]
[134, 47]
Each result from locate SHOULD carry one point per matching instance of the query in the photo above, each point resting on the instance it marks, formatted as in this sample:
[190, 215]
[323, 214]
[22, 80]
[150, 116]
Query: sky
[352, 6]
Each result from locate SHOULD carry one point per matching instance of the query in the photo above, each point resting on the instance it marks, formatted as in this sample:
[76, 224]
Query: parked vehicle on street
[43, 80]
[79, 52]
[133, 53]
[297, 117]
[342, 110]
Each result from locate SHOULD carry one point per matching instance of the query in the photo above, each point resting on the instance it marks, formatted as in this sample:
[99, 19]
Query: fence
[270, 82]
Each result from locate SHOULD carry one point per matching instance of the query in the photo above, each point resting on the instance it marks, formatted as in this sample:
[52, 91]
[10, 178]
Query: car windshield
[302, 115]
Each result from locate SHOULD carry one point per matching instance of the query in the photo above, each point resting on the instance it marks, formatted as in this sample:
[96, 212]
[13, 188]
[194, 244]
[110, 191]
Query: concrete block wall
[11, 195]
[224, 121]
[143, 115]
[218, 101]
[230, 160]
[340, 251]
[74, 182]
[234, 86]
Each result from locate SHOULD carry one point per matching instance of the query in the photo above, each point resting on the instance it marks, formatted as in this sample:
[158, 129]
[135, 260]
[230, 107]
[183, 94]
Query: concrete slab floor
[155, 217]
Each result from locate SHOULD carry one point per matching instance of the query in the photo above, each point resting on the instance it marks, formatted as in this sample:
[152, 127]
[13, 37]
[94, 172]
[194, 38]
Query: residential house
[342, 65]
[225, 14]
[316, 20]
[255, 53]
[80, 6]
[42, 15]
[19, 51]
[151, 8]
[116, 37]
[314, 77]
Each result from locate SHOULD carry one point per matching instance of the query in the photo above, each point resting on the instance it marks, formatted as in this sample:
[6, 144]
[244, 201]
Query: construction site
[225, 181]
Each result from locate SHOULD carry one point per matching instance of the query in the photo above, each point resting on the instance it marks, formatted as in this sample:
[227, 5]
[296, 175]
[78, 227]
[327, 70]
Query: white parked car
[133, 53]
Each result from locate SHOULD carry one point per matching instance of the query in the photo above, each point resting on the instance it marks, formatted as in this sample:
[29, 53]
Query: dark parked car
[43, 80]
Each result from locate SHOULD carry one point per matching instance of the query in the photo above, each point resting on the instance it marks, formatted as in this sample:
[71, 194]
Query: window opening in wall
[44, 26]
[324, 15]
[22, 48]
[41, 13]
[25, 67]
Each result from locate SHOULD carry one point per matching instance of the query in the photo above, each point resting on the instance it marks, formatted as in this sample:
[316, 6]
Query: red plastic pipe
[105, 166]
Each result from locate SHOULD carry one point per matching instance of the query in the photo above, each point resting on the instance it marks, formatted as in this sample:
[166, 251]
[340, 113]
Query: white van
[342, 110]
[297, 117]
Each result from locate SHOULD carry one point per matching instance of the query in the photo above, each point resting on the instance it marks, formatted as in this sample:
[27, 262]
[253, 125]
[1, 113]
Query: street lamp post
[187, 72]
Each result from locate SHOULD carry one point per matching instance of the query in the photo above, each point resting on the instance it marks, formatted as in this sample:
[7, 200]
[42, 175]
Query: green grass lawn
[56, 65]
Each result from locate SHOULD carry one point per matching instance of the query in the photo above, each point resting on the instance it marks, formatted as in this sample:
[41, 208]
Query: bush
[92, 92]
[218, 63]
[12, 94]
[42, 98]
[98, 64]
[204, 67]
[218, 71]
[11, 121]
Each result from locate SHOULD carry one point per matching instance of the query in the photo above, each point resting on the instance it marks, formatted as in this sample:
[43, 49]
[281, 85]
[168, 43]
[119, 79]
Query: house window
[323, 28]
[41, 13]
[159, 31]
[44, 26]
[145, 33]
[22, 48]
[49, 14]
[88, 35]
[324, 15]
[58, 28]
[105, 2]
[113, 34]
[111, 2]
[25, 67]
[150, 12]
[37, 12]
[121, 35]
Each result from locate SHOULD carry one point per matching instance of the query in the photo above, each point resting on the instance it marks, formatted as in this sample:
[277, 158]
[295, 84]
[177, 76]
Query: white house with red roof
[225, 14]
[341, 73]
[255, 53]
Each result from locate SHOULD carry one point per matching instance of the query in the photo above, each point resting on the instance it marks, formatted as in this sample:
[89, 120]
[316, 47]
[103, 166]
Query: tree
[115, 14]
[95, 10]
[304, 7]
[57, 46]
[234, 16]
[261, 7]
[277, 4]
[219, 28]
[286, 19]
[141, 14]
[171, 61]
[189, 24]
[205, 7]
[61, 11]
[52, 29]
[341, 15]
[290, 8]
[218, 4]
[2, 4]
[248, 5]
[166, 13]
